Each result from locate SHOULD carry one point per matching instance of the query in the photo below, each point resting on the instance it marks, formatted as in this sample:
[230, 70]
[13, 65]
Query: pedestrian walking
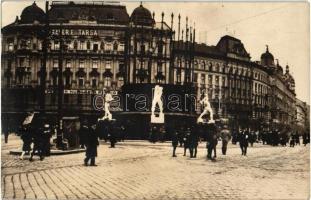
[306, 137]
[194, 142]
[91, 146]
[252, 138]
[26, 136]
[112, 134]
[186, 140]
[243, 140]
[235, 135]
[123, 133]
[264, 136]
[83, 132]
[181, 135]
[297, 138]
[174, 142]
[46, 137]
[153, 133]
[38, 142]
[225, 137]
[292, 140]
[211, 131]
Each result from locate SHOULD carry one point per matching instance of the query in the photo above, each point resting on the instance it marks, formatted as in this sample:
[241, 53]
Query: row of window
[70, 45]
[94, 81]
[260, 100]
[88, 45]
[261, 89]
[209, 66]
[260, 76]
[83, 64]
[217, 79]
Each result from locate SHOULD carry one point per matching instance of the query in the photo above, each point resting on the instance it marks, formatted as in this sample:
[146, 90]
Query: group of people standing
[38, 137]
[189, 137]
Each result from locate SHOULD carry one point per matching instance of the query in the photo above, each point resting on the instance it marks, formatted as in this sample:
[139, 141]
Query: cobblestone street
[141, 170]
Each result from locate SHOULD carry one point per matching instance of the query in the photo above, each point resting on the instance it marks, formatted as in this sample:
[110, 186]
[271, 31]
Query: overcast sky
[282, 26]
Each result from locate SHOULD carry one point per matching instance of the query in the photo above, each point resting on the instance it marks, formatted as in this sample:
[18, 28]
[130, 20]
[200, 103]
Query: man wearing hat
[91, 146]
[225, 137]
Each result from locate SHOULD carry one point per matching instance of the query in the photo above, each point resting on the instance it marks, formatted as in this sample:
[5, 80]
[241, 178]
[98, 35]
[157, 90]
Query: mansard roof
[100, 12]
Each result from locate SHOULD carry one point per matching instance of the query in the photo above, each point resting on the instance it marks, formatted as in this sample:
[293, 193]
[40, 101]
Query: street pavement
[142, 170]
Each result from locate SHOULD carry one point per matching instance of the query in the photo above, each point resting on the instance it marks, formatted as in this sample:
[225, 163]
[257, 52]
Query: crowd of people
[187, 136]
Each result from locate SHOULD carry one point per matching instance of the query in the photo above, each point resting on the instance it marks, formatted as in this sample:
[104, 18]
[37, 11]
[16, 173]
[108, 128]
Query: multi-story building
[283, 97]
[303, 112]
[237, 87]
[97, 45]
[100, 46]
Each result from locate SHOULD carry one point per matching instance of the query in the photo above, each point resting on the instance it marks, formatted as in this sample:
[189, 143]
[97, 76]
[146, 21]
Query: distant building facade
[303, 115]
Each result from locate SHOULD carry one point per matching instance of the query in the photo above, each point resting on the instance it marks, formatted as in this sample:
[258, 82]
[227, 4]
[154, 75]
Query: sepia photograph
[155, 100]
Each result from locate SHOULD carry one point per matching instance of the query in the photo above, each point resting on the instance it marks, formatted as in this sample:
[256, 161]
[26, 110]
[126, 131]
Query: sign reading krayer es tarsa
[80, 32]
[71, 32]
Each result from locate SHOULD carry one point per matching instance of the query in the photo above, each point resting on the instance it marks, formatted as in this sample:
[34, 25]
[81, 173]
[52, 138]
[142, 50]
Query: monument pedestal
[157, 120]
[200, 120]
[211, 121]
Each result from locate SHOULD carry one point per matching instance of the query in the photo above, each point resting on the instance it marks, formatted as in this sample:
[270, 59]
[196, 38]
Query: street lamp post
[44, 59]
[60, 88]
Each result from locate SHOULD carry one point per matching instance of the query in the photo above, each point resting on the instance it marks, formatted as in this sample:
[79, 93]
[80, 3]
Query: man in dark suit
[225, 137]
[243, 139]
[211, 143]
[187, 141]
[194, 141]
[174, 141]
[91, 146]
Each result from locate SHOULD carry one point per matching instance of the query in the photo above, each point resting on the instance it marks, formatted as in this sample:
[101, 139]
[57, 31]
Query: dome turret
[32, 13]
[142, 16]
[267, 58]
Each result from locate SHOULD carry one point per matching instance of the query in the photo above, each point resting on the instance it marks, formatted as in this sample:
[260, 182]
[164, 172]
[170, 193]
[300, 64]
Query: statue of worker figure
[207, 108]
[108, 115]
[158, 90]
